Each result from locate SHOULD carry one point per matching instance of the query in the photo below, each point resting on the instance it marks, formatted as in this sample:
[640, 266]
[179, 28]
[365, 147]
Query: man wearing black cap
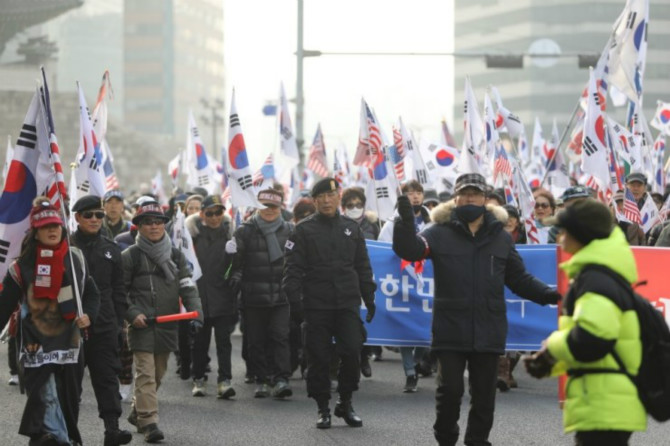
[155, 276]
[327, 271]
[636, 182]
[114, 223]
[210, 230]
[473, 259]
[101, 350]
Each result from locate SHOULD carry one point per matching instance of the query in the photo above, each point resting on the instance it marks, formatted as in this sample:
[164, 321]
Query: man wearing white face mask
[353, 206]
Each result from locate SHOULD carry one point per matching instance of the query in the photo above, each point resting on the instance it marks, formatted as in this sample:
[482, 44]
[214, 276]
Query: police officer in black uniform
[101, 353]
[327, 271]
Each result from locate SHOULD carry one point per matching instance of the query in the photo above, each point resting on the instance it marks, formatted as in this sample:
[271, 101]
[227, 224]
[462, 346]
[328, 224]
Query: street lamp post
[214, 120]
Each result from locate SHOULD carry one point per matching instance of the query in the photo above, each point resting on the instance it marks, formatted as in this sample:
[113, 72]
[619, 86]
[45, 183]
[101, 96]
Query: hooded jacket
[597, 317]
[469, 309]
[210, 245]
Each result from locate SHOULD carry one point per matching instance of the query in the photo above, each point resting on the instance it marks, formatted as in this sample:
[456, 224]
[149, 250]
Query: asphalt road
[528, 415]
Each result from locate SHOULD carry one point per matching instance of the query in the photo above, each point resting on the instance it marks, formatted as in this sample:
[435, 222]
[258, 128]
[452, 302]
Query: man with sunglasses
[210, 230]
[257, 270]
[155, 276]
[101, 350]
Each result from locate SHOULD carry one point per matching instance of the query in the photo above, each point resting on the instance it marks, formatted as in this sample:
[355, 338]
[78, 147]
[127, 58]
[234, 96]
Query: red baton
[172, 317]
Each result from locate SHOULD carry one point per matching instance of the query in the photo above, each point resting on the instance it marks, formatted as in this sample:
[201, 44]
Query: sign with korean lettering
[405, 300]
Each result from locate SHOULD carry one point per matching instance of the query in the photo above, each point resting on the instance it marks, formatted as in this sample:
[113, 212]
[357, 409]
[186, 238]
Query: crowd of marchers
[293, 278]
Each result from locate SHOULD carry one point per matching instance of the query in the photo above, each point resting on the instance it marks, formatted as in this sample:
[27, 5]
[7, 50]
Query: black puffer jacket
[210, 244]
[106, 268]
[261, 280]
[327, 264]
[469, 310]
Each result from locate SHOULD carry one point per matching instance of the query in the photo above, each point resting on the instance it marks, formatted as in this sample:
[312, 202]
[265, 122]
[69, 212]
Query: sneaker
[410, 384]
[225, 390]
[262, 391]
[13, 380]
[152, 434]
[125, 392]
[282, 390]
[198, 387]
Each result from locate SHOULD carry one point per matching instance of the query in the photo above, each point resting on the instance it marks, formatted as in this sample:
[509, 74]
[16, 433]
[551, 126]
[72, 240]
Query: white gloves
[231, 246]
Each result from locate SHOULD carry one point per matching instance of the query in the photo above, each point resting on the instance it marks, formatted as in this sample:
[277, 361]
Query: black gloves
[405, 210]
[196, 327]
[370, 305]
[540, 363]
[552, 297]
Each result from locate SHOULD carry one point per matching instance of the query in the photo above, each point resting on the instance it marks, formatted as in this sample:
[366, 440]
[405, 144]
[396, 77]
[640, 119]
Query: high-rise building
[173, 58]
[548, 87]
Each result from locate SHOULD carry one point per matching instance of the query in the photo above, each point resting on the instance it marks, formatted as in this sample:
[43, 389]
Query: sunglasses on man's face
[90, 214]
[152, 221]
[354, 205]
[218, 213]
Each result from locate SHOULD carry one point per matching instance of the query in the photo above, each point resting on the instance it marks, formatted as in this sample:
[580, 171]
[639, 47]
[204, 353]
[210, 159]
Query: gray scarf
[269, 230]
[160, 253]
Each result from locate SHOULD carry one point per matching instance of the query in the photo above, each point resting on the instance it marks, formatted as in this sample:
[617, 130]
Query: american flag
[630, 209]
[57, 191]
[317, 155]
[501, 165]
[111, 182]
[266, 172]
[374, 136]
[397, 154]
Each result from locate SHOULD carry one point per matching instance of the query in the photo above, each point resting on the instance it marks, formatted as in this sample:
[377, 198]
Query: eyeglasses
[152, 221]
[218, 213]
[542, 205]
[270, 206]
[90, 214]
[354, 205]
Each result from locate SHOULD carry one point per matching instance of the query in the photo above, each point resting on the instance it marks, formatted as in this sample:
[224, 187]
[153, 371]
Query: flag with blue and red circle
[661, 119]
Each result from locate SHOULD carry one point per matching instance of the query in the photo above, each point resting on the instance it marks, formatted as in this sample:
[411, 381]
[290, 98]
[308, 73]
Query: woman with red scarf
[41, 280]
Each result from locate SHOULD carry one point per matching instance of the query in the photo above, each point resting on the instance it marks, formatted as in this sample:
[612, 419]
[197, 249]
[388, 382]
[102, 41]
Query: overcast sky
[260, 42]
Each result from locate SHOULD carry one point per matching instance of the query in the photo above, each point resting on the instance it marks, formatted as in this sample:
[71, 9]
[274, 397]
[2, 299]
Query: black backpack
[653, 378]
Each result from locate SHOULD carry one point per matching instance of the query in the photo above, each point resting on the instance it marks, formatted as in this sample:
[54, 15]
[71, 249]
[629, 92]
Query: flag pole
[59, 197]
[560, 142]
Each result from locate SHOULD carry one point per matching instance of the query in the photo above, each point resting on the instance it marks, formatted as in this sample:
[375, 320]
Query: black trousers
[184, 339]
[223, 327]
[321, 326]
[268, 349]
[483, 372]
[597, 438]
[12, 356]
[101, 356]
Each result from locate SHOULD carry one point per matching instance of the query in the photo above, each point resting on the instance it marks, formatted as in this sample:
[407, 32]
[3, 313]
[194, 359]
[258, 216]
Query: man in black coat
[257, 270]
[210, 231]
[473, 259]
[101, 350]
[327, 271]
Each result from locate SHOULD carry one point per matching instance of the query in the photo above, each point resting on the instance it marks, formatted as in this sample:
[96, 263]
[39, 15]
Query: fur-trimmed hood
[193, 223]
[442, 212]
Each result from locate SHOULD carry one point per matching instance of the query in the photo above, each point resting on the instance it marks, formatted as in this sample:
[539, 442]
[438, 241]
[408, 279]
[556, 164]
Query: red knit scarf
[49, 269]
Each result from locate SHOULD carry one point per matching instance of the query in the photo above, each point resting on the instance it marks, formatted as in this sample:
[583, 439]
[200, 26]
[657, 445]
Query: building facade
[548, 87]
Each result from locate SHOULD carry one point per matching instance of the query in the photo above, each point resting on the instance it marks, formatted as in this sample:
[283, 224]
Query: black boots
[345, 410]
[323, 422]
[115, 436]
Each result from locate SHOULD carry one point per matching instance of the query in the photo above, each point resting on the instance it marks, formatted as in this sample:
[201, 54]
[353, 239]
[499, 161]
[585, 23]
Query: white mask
[354, 213]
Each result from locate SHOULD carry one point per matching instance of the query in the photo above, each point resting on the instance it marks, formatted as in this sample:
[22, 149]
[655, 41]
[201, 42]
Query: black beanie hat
[586, 220]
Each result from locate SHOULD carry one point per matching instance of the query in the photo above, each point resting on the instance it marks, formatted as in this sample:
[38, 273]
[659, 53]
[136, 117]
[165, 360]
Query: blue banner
[405, 303]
